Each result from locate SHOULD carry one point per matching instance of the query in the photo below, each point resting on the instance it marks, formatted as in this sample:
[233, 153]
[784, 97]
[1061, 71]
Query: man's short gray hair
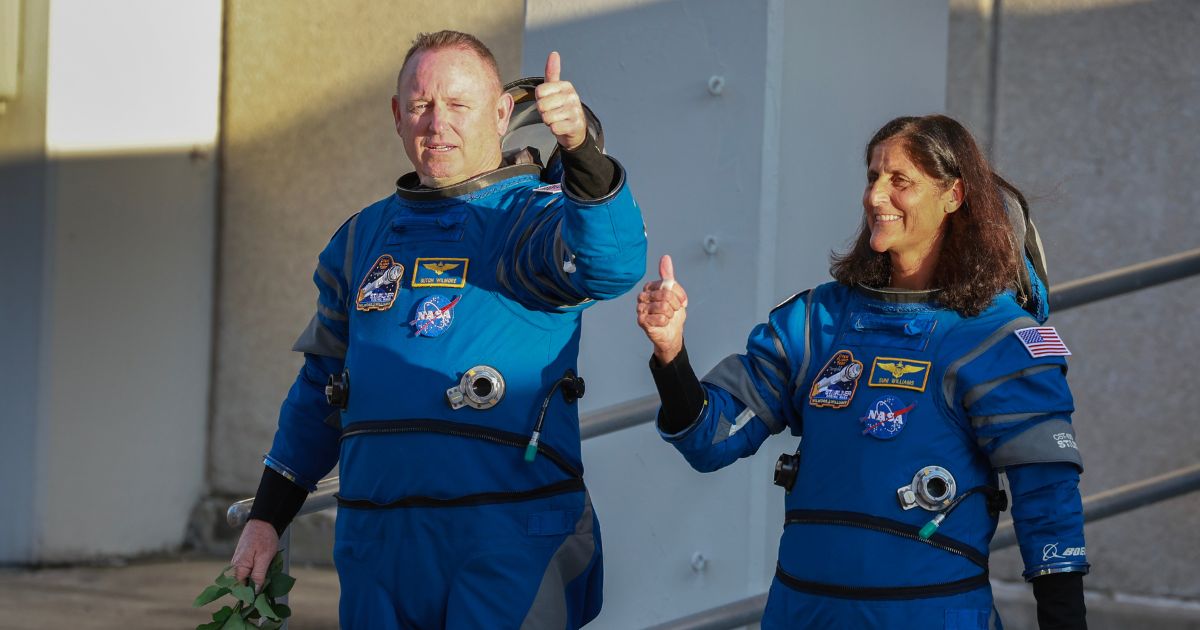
[451, 39]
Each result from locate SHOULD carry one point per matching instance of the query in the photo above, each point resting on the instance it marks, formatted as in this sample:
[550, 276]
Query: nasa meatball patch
[886, 417]
[835, 384]
[380, 286]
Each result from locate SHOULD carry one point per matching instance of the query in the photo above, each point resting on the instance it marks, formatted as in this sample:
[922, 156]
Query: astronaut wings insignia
[898, 370]
[440, 267]
[899, 373]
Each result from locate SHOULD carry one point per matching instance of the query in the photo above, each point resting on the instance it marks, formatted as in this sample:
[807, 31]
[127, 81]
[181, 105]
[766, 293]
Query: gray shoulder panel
[316, 339]
[731, 376]
[1049, 441]
[348, 260]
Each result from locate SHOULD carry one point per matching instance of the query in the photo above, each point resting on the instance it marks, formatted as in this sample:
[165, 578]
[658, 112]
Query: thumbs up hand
[559, 105]
[661, 311]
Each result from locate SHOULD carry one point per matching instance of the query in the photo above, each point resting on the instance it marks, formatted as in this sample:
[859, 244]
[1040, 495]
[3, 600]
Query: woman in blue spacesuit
[913, 379]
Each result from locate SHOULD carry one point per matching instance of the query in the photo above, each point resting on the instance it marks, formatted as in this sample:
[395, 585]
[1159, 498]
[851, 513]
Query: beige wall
[308, 140]
[1096, 110]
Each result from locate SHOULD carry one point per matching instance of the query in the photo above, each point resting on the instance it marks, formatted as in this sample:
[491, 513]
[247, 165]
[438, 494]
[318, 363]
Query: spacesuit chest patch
[440, 272]
[380, 286]
[886, 417]
[434, 315]
[899, 373]
[835, 383]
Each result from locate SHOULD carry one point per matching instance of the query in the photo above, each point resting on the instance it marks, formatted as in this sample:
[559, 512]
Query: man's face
[450, 114]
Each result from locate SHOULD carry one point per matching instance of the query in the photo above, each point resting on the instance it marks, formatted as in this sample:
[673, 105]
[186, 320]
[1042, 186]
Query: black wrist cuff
[588, 173]
[680, 392]
[277, 500]
[1060, 601]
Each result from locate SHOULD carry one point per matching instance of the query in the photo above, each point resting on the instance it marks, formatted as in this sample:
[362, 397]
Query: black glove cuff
[277, 500]
[588, 173]
[1060, 601]
[680, 391]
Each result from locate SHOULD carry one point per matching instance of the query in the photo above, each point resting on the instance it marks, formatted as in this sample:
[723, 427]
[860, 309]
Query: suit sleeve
[1019, 408]
[564, 251]
[305, 447]
[747, 397]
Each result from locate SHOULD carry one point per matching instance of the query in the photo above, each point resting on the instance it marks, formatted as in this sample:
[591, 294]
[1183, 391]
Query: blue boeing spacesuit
[907, 412]
[448, 325]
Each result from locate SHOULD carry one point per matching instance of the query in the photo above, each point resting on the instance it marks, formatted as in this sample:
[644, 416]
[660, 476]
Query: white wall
[772, 168]
[122, 261]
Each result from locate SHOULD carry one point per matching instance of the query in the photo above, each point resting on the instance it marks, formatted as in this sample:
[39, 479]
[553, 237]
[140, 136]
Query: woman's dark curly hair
[979, 253]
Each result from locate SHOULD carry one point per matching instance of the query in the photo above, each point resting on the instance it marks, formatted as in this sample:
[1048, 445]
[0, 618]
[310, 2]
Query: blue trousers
[529, 564]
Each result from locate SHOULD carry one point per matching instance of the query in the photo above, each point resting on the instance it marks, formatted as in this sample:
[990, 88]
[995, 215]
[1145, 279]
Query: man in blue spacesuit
[913, 380]
[440, 365]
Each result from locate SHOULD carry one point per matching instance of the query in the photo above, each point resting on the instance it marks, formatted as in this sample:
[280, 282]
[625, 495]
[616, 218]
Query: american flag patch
[1042, 341]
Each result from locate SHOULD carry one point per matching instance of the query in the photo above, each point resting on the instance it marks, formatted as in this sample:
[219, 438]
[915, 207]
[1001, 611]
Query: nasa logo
[886, 418]
[379, 287]
[434, 315]
[835, 383]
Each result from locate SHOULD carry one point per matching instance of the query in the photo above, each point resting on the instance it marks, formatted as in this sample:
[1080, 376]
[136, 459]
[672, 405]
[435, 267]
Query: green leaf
[276, 564]
[280, 586]
[235, 622]
[228, 581]
[283, 611]
[223, 614]
[209, 594]
[216, 625]
[264, 608]
[244, 593]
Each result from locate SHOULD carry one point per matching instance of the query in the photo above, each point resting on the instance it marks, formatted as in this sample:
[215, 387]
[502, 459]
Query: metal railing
[1097, 507]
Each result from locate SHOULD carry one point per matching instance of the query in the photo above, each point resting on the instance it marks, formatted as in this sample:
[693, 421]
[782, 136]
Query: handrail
[600, 422]
[1096, 508]
[1124, 280]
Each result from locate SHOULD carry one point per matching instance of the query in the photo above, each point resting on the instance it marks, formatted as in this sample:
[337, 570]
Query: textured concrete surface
[308, 139]
[147, 594]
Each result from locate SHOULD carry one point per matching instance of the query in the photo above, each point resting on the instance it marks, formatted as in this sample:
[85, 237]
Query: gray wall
[1095, 107]
[307, 140]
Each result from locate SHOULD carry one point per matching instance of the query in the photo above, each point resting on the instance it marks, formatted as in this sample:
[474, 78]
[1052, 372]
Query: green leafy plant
[250, 610]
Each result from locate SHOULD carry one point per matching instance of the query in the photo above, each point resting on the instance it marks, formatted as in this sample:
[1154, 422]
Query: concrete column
[115, 231]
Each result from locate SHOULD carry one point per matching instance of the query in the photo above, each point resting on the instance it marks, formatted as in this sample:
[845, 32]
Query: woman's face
[905, 208]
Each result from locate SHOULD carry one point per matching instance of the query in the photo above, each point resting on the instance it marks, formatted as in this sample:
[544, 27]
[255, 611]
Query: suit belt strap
[888, 526]
[459, 429]
[882, 592]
